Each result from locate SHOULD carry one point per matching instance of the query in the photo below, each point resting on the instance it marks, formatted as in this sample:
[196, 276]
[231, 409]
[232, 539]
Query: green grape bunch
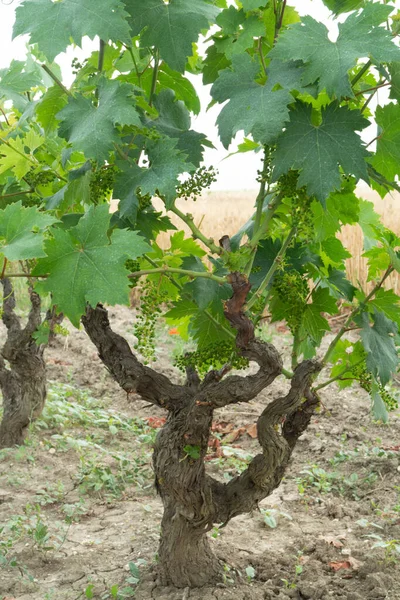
[300, 203]
[292, 288]
[212, 356]
[152, 302]
[364, 379]
[102, 182]
[200, 180]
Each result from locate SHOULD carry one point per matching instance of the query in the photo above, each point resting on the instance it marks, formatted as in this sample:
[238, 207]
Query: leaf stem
[278, 260]
[16, 194]
[4, 268]
[280, 22]
[196, 232]
[5, 117]
[347, 368]
[56, 80]
[371, 89]
[355, 312]
[191, 274]
[155, 75]
[357, 77]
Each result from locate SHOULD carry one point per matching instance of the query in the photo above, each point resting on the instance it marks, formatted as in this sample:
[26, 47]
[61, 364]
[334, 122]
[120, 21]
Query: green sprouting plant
[271, 516]
[321, 481]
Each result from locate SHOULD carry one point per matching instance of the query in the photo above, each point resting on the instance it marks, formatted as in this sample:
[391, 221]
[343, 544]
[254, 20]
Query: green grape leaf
[369, 222]
[379, 409]
[49, 106]
[230, 19]
[174, 122]
[251, 107]
[317, 151]
[252, 4]
[85, 265]
[42, 333]
[22, 231]
[205, 331]
[313, 323]
[329, 62]
[213, 63]
[91, 129]
[172, 27]
[289, 75]
[253, 27]
[13, 157]
[394, 70]
[387, 157]
[52, 25]
[161, 177]
[343, 6]
[183, 88]
[346, 354]
[387, 302]
[382, 358]
[338, 283]
[15, 80]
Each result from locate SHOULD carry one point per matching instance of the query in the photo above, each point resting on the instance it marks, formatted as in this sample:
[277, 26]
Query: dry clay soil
[319, 549]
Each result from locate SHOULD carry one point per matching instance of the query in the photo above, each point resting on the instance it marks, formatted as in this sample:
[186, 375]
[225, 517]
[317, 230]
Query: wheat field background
[223, 213]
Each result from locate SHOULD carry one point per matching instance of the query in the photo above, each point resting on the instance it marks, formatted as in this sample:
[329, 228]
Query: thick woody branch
[235, 388]
[127, 370]
[266, 470]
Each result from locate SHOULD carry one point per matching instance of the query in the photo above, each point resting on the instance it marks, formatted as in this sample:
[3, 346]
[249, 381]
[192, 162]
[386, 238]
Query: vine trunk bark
[22, 370]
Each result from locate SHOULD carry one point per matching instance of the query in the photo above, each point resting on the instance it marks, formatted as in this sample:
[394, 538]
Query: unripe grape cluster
[364, 379]
[200, 180]
[292, 288]
[34, 179]
[212, 356]
[102, 182]
[132, 266]
[301, 202]
[151, 301]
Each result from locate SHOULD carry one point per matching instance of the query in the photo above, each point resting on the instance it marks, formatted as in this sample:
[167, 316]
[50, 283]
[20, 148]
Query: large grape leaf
[251, 107]
[21, 231]
[382, 358]
[387, 302]
[161, 177]
[49, 106]
[317, 151]
[387, 157]
[52, 25]
[85, 265]
[172, 27]
[15, 80]
[92, 129]
[313, 323]
[174, 121]
[329, 62]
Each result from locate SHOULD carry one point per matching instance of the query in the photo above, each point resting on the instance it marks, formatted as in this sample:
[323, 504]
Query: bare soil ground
[77, 503]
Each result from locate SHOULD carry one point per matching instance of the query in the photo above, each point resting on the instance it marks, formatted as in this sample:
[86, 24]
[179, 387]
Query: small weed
[50, 494]
[323, 482]
[272, 515]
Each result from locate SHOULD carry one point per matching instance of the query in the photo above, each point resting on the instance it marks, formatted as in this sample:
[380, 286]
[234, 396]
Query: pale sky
[236, 173]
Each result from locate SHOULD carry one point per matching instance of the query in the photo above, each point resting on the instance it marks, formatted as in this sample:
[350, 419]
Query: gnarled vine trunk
[23, 381]
[193, 500]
